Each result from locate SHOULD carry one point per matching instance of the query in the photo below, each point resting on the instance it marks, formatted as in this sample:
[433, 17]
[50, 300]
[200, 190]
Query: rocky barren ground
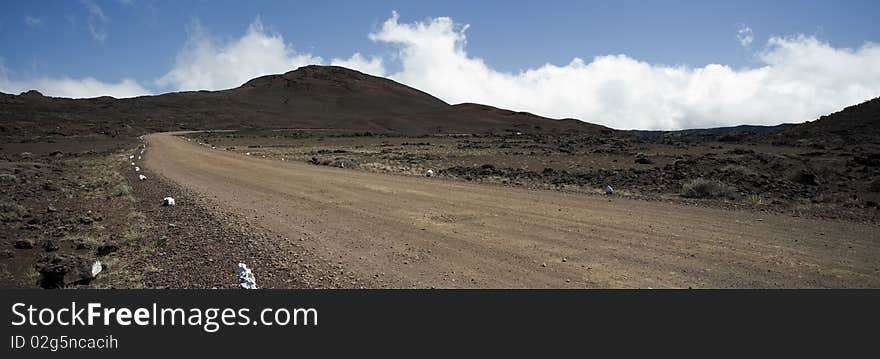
[64, 211]
[837, 183]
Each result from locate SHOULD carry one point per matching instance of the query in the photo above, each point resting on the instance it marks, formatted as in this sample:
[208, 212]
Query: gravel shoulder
[194, 245]
[378, 230]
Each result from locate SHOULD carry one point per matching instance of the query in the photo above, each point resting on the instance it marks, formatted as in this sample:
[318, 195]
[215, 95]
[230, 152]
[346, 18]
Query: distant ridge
[308, 97]
[854, 125]
[339, 98]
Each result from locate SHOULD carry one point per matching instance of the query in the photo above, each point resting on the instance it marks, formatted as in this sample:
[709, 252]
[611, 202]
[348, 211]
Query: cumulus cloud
[96, 20]
[373, 66]
[208, 64]
[70, 87]
[744, 36]
[796, 79]
[792, 79]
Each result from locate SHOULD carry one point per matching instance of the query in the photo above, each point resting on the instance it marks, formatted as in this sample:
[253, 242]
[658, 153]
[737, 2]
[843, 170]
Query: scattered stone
[805, 178]
[64, 270]
[86, 220]
[644, 161]
[106, 249]
[50, 186]
[246, 277]
[50, 246]
[24, 244]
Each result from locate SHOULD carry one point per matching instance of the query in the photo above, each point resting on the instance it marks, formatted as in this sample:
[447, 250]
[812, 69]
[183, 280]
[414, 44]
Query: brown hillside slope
[309, 97]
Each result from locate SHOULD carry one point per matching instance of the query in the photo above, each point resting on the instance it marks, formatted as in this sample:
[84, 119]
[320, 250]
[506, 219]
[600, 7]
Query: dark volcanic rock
[24, 244]
[64, 270]
[805, 178]
[644, 161]
[106, 249]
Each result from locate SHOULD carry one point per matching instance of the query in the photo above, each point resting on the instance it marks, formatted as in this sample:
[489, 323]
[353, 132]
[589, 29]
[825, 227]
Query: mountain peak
[326, 72]
[311, 73]
[352, 90]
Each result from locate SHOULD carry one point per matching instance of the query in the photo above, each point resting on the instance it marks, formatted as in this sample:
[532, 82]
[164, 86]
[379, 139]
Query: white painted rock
[137, 169]
[142, 177]
[96, 268]
[168, 201]
[429, 173]
[246, 277]
[131, 157]
[608, 189]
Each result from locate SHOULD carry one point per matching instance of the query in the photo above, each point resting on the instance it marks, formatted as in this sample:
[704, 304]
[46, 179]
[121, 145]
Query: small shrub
[11, 211]
[8, 178]
[755, 200]
[703, 188]
[122, 190]
[84, 242]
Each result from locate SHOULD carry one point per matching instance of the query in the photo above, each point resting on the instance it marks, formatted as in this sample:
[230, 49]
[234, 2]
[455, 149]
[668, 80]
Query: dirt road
[428, 232]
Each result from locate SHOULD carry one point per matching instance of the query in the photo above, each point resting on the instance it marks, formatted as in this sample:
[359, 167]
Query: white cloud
[744, 36]
[33, 22]
[207, 64]
[374, 66]
[797, 79]
[97, 21]
[68, 87]
[794, 79]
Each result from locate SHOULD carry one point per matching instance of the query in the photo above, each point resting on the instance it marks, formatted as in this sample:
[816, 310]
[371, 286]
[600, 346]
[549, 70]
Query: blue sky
[46, 43]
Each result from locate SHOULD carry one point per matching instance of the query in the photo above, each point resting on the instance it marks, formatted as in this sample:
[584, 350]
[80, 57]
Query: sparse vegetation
[705, 188]
[84, 241]
[131, 235]
[754, 200]
[8, 178]
[122, 189]
[11, 211]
